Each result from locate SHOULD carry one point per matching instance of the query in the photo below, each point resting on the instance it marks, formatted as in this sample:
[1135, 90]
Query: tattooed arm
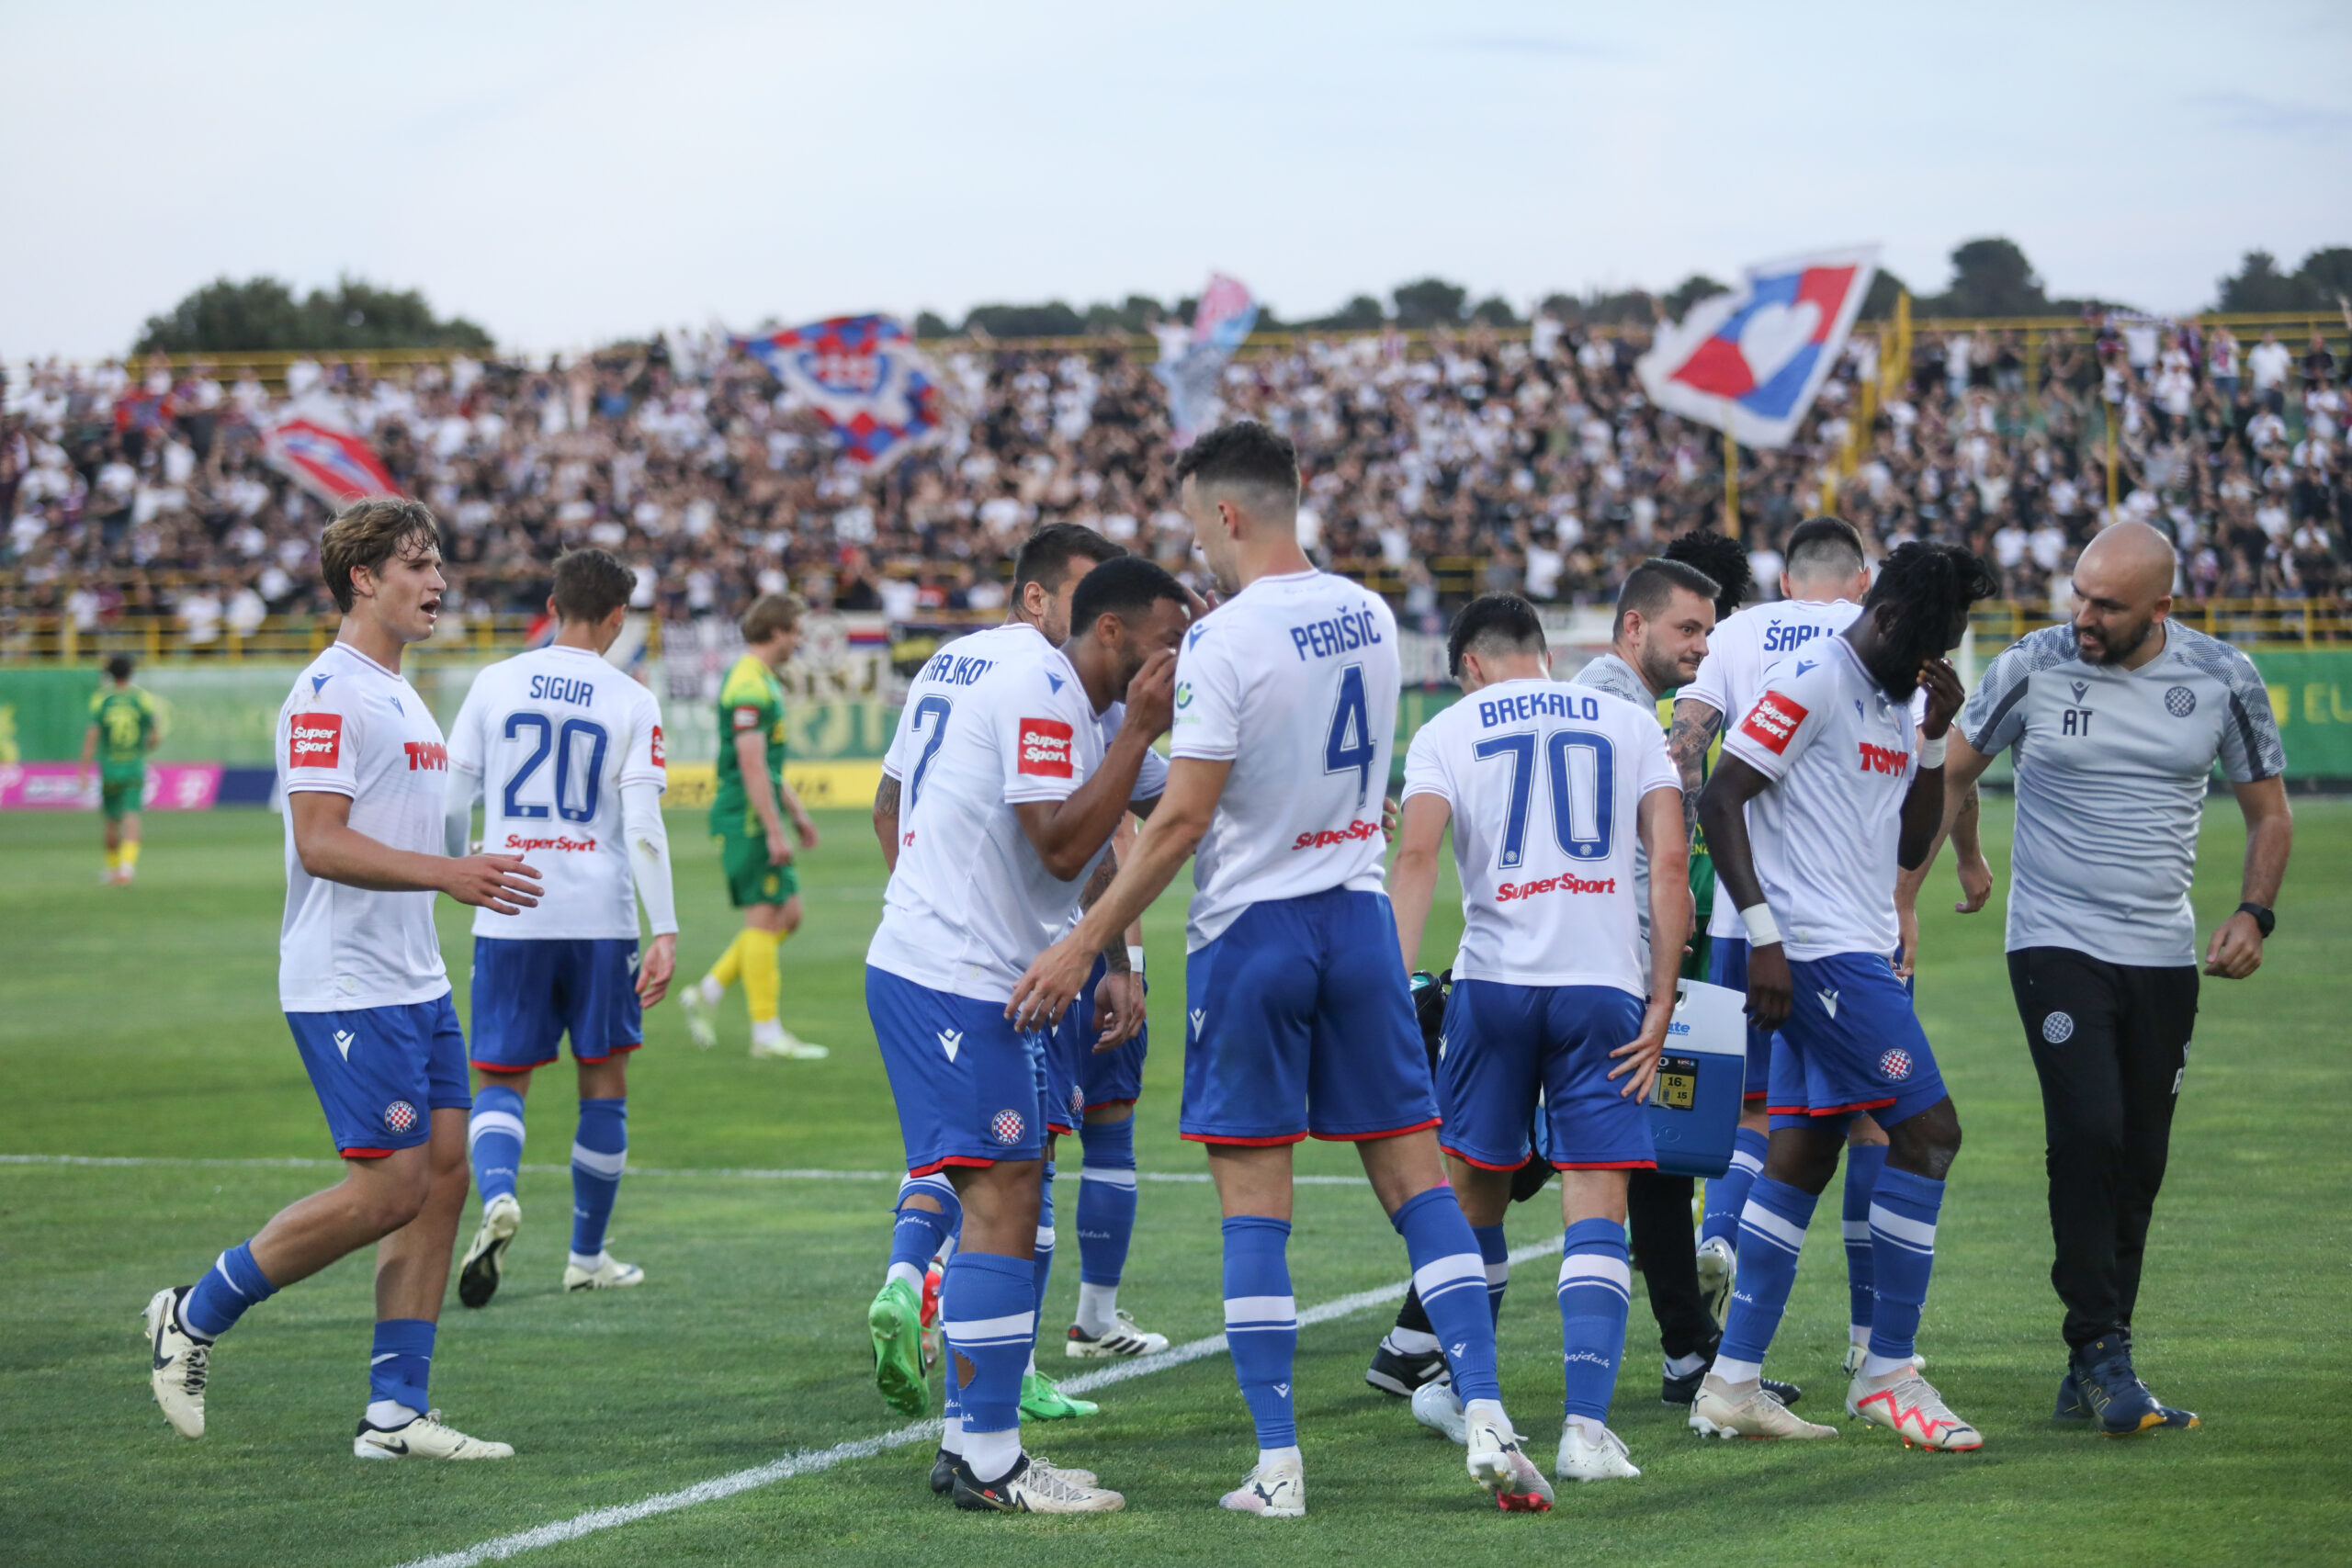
[1687, 739]
[886, 821]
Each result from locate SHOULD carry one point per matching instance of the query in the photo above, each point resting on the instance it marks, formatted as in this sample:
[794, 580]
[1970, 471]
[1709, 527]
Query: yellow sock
[130, 852]
[114, 859]
[763, 984]
[730, 962]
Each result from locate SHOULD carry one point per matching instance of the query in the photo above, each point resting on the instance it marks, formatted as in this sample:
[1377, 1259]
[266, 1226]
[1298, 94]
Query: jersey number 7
[1583, 770]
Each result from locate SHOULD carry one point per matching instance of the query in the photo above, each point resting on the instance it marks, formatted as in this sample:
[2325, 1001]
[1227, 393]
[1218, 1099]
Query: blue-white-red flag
[1220, 323]
[863, 377]
[333, 464]
[1751, 360]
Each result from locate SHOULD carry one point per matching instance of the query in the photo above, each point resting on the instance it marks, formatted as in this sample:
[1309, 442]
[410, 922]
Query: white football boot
[478, 1275]
[182, 1363]
[1718, 1267]
[1033, 1488]
[774, 1041]
[1721, 1411]
[422, 1437]
[1275, 1490]
[1435, 1407]
[1498, 1463]
[1907, 1405]
[608, 1275]
[702, 1015]
[1587, 1458]
[1121, 1340]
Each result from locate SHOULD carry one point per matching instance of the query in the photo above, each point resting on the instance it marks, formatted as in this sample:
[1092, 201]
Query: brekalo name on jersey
[1536, 705]
[1355, 832]
[563, 689]
[1565, 883]
[1336, 634]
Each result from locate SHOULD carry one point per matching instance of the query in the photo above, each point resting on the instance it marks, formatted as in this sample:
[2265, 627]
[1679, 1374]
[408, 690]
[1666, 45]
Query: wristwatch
[2264, 920]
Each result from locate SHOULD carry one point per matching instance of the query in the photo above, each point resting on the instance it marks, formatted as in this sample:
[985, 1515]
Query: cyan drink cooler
[1695, 1105]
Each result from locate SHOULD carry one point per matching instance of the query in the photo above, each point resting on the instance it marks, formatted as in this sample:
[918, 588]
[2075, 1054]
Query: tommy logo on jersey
[1774, 721]
[1045, 747]
[426, 754]
[1884, 758]
[314, 740]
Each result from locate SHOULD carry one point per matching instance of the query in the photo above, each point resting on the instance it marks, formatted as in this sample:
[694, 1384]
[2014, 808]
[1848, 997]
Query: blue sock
[1106, 1201]
[1728, 1193]
[918, 1233]
[1902, 1251]
[1495, 1252]
[599, 1150]
[1596, 1289]
[403, 1362]
[1863, 1162]
[494, 1140]
[1771, 1233]
[233, 1284]
[1261, 1323]
[1042, 1262]
[1450, 1274]
[987, 1308]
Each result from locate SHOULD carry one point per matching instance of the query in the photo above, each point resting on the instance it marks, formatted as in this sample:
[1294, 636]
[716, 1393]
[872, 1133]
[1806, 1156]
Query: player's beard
[2117, 650]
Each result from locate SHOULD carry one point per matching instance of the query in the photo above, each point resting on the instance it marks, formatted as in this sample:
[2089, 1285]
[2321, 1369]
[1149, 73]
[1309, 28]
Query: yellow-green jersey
[127, 724]
[751, 701]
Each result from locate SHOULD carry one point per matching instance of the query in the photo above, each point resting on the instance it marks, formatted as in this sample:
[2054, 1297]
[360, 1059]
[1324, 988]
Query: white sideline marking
[808, 1462]
[745, 1174]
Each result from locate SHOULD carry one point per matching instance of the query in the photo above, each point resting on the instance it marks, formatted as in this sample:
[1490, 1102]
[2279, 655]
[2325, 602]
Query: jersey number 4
[565, 745]
[1583, 771]
[1349, 748]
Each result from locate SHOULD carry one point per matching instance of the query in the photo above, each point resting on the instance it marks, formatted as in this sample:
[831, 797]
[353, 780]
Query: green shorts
[119, 794]
[750, 878]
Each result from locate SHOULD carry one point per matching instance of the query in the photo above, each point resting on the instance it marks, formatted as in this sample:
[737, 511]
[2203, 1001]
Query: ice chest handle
[1694, 1106]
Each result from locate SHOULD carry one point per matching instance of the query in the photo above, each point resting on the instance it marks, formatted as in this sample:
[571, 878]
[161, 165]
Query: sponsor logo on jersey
[516, 844]
[400, 1116]
[659, 760]
[1884, 758]
[1772, 721]
[1894, 1064]
[2058, 1028]
[1566, 882]
[429, 755]
[1183, 694]
[314, 740]
[1045, 747]
[1353, 833]
[746, 719]
[1007, 1127]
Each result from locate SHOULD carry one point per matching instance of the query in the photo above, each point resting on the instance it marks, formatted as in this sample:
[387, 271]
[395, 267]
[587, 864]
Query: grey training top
[1612, 674]
[2111, 771]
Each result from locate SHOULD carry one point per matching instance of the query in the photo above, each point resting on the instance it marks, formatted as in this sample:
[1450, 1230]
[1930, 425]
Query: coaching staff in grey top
[2116, 720]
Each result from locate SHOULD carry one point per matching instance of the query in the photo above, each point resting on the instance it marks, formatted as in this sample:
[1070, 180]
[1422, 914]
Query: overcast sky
[568, 174]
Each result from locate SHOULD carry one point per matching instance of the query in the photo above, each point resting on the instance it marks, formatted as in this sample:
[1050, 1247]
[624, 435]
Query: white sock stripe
[483, 1122]
[1742, 1160]
[983, 1330]
[1587, 1269]
[1109, 1176]
[1045, 1238]
[1854, 1230]
[596, 1162]
[1498, 1274]
[221, 1266]
[1260, 1311]
[927, 1185]
[1917, 1233]
[1764, 1223]
[1443, 1274]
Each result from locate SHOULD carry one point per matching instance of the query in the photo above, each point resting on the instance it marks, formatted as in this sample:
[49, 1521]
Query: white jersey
[1744, 648]
[1293, 681]
[1841, 758]
[1545, 783]
[994, 720]
[353, 727]
[546, 740]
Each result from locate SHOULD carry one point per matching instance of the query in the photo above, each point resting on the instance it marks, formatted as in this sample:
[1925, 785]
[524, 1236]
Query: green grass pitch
[143, 1023]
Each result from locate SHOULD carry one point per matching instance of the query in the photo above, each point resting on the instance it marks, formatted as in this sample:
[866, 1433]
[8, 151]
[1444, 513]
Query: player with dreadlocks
[1825, 787]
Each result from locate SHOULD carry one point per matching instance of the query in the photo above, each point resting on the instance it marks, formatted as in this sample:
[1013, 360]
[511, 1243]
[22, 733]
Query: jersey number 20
[1583, 771]
[564, 743]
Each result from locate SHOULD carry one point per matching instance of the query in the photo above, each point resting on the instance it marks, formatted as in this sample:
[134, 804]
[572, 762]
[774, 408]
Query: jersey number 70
[1583, 771]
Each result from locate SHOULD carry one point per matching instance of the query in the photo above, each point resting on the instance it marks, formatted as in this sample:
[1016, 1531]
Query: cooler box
[1695, 1105]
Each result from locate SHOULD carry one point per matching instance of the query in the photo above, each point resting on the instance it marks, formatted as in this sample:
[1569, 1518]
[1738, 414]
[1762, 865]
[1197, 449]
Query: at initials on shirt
[2075, 721]
[430, 754]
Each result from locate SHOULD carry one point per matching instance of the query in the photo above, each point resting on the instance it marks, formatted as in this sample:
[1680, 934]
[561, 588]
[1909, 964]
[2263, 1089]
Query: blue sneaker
[2108, 1390]
[2073, 1407]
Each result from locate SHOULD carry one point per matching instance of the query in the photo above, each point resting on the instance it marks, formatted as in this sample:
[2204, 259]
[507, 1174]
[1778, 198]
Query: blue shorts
[1728, 967]
[1077, 1077]
[381, 1072]
[970, 1086]
[1503, 1042]
[1851, 1042]
[527, 995]
[1300, 1021]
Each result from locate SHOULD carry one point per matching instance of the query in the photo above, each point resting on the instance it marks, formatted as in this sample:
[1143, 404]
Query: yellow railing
[53, 638]
[2308, 622]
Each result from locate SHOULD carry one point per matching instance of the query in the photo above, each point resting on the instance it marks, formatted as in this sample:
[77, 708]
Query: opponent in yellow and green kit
[124, 727]
[750, 702]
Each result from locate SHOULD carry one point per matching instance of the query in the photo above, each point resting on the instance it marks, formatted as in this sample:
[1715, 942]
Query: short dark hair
[120, 666]
[1125, 586]
[1722, 558]
[1650, 585]
[369, 533]
[1824, 542]
[769, 614]
[1242, 453]
[590, 584]
[1492, 622]
[1047, 553]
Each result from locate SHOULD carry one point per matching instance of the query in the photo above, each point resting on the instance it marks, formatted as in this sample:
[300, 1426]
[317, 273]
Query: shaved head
[2122, 591]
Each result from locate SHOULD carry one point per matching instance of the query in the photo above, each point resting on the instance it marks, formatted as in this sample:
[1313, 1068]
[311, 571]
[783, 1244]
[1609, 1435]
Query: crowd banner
[863, 377]
[1190, 365]
[1749, 362]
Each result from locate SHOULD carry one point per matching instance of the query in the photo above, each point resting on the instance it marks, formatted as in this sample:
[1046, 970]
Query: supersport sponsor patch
[1774, 721]
[314, 740]
[1045, 747]
[659, 760]
[1354, 832]
[1564, 882]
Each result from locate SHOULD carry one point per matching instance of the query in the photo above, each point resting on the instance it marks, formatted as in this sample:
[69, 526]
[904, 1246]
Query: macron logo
[1829, 1003]
[949, 1041]
[1282, 1388]
[343, 1041]
[318, 680]
[1198, 1014]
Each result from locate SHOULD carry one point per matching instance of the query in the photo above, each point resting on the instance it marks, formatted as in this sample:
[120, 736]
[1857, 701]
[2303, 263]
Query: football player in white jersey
[1301, 1020]
[564, 752]
[1824, 788]
[1549, 789]
[1822, 589]
[1011, 794]
[362, 765]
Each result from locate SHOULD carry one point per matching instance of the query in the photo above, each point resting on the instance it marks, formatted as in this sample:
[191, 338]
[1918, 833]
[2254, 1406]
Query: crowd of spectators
[1473, 460]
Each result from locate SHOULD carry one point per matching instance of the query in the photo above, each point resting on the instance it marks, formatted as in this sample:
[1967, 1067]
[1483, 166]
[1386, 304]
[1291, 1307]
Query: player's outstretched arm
[1166, 841]
[1660, 824]
[333, 851]
[1723, 815]
[886, 821]
[2236, 951]
[1412, 879]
